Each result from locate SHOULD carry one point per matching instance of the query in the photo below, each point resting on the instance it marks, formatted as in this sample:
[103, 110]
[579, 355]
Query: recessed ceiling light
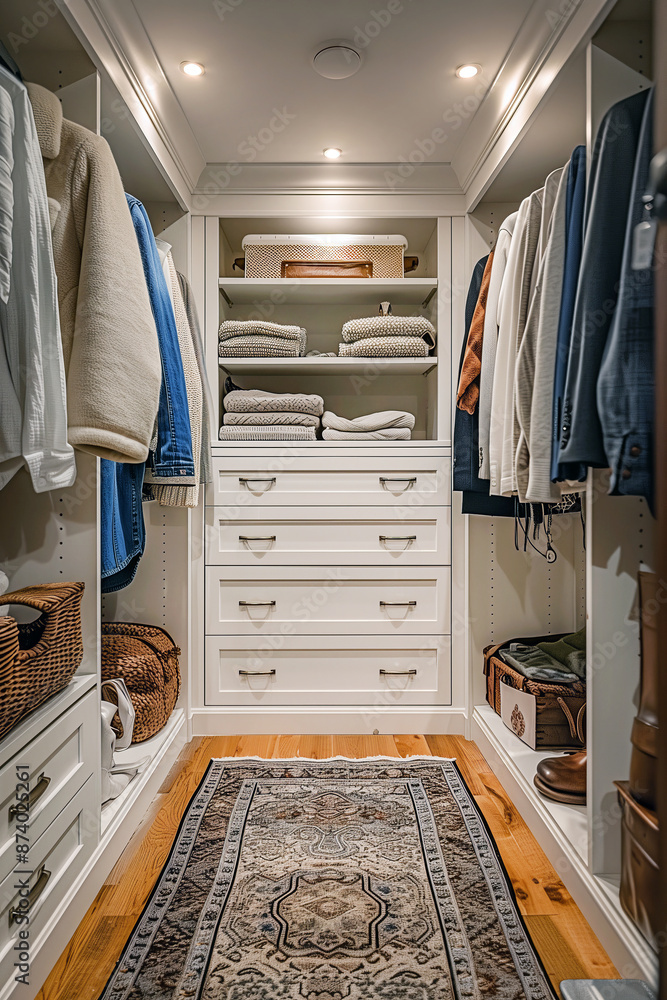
[192, 68]
[332, 152]
[337, 59]
[467, 71]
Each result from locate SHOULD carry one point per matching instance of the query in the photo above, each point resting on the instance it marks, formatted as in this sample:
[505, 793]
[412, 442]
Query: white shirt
[33, 410]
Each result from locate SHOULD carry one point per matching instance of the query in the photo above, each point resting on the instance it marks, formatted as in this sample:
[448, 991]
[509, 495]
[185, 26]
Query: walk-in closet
[332, 491]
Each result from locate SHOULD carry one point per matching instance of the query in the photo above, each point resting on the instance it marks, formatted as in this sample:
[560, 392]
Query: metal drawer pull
[398, 604]
[38, 888]
[34, 797]
[257, 604]
[398, 538]
[257, 538]
[258, 479]
[257, 673]
[395, 479]
[397, 673]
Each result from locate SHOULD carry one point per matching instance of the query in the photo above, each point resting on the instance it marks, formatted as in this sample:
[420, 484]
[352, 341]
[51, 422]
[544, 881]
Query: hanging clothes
[524, 371]
[490, 340]
[536, 362]
[122, 528]
[110, 349]
[610, 188]
[205, 468]
[513, 311]
[625, 389]
[468, 390]
[176, 495]
[172, 457]
[574, 240]
[465, 447]
[33, 404]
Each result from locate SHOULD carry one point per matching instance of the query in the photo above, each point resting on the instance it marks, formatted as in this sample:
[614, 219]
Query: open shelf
[328, 366]
[316, 291]
[114, 811]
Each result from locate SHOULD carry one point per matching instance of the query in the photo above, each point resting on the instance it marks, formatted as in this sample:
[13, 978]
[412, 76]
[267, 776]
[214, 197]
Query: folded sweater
[388, 326]
[260, 401]
[388, 434]
[385, 347]
[258, 327]
[287, 432]
[257, 346]
[267, 419]
[369, 422]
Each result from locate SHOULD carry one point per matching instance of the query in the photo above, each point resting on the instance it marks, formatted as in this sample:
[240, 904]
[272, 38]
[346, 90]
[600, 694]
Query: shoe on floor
[563, 779]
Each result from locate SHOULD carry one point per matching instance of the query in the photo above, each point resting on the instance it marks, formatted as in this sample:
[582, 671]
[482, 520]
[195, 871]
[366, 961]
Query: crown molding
[552, 32]
[117, 42]
[345, 179]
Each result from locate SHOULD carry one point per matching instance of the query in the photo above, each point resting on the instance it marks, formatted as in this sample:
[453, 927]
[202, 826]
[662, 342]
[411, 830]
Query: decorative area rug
[340, 879]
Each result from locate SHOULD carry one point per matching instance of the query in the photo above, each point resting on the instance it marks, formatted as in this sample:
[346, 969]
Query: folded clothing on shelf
[369, 422]
[258, 415]
[286, 432]
[268, 419]
[389, 326]
[386, 425]
[261, 401]
[260, 339]
[388, 434]
[385, 347]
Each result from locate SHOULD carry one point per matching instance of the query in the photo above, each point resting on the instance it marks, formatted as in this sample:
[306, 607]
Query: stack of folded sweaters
[257, 338]
[256, 415]
[388, 425]
[387, 337]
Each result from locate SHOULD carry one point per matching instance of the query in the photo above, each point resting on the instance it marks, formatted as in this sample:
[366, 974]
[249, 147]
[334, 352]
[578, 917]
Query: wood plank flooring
[566, 944]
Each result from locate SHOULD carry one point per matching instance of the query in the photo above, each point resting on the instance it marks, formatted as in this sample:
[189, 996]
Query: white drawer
[366, 536]
[330, 671]
[56, 860]
[306, 601]
[60, 760]
[407, 483]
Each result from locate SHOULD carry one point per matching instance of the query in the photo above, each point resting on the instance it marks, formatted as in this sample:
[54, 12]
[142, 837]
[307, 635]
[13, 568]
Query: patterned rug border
[319, 760]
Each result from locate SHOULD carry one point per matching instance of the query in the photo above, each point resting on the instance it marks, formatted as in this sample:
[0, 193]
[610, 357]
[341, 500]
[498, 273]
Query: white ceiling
[258, 57]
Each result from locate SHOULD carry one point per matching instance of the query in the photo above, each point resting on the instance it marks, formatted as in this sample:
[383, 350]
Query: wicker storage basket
[146, 657]
[558, 708]
[288, 256]
[40, 658]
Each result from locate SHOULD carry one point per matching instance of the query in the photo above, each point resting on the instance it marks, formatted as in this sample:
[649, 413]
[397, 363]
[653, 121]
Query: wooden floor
[568, 947]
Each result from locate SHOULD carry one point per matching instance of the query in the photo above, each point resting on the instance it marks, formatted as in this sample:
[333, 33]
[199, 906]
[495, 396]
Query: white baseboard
[596, 897]
[309, 720]
[56, 934]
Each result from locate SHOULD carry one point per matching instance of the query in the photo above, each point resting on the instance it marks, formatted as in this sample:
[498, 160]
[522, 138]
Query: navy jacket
[625, 391]
[610, 188]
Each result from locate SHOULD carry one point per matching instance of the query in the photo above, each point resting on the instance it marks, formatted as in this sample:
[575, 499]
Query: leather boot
[563, 779]
[643, 762]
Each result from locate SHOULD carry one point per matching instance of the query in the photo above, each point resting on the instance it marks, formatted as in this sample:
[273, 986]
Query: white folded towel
[369, 422]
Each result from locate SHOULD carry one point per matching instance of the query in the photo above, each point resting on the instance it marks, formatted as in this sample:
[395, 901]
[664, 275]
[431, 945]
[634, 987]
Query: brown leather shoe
[563, 779]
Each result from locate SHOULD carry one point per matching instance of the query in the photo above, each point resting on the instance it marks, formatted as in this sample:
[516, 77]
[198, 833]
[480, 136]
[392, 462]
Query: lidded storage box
[324, 256]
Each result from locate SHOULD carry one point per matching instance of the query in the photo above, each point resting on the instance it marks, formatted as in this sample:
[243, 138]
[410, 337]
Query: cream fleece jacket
[110, 345]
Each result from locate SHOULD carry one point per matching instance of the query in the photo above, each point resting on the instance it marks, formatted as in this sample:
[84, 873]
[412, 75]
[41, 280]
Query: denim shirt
[173, 454]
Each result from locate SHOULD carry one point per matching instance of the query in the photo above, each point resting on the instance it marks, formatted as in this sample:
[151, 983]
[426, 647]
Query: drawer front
[55, 859]
[329, 671]
[60, 760]
[349, 536]
[347, 600]
[406, 483]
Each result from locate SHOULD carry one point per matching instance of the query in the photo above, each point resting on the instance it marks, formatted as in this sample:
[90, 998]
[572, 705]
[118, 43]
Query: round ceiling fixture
[337, 59]
[468, 70]
[332, 152]
[192, 68]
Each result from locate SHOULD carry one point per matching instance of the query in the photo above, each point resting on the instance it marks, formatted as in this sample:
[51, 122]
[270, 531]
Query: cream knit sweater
[110, 345]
